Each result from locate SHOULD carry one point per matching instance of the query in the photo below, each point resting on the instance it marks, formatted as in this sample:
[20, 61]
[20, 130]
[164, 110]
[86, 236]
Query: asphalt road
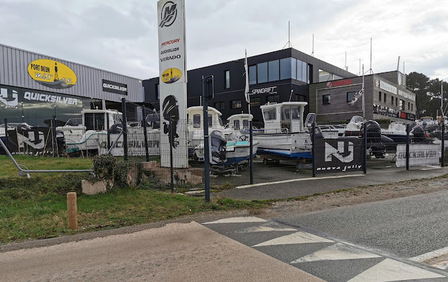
[284, 181]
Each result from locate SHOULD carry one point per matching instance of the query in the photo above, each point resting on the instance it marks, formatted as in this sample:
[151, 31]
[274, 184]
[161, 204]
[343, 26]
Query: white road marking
[295, 238]
[392, 270]
[336, 252]
[437, 258]
[268, 227]
[296, 180]
[242, 219]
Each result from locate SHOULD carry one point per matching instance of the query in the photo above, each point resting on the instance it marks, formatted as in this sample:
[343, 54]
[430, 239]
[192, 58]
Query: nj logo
[342, 153]
[10, 101]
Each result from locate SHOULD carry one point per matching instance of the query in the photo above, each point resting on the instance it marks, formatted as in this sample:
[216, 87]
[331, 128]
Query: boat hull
[284, 145]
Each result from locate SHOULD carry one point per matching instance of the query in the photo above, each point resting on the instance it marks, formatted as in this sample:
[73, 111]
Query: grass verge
[36, 208]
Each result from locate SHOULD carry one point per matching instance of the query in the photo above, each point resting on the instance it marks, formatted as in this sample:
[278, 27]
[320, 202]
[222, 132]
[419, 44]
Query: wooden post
[72, 209]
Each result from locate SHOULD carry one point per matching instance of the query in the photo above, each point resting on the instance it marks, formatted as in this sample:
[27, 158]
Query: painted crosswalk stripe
[242, 219]
[392, 270]
[336, 252]
[295, 238]
[268, 227]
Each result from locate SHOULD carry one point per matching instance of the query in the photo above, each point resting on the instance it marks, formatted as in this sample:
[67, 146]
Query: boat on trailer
[285, 135]
[232, 147]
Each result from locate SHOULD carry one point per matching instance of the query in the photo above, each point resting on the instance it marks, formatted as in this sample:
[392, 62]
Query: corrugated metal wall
[14, 72]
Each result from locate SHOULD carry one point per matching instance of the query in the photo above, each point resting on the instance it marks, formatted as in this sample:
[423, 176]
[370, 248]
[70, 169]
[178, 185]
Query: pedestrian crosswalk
[323, 257]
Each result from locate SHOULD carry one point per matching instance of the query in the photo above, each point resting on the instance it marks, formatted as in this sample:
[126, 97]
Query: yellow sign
[52, 74]
[171, 75]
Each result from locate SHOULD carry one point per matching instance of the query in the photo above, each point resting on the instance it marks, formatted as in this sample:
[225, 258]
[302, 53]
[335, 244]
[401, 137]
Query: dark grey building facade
[278, 76]
[385, 97]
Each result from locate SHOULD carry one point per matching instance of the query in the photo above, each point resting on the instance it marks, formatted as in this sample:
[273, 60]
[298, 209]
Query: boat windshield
[94, 121]
[197, 121]
[290, 113]
[269, 114]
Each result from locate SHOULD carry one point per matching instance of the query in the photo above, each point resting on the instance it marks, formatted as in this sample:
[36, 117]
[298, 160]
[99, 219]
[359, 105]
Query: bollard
[72, 211]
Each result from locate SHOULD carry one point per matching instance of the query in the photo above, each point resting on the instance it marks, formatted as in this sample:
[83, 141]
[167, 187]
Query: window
[219, 105]
[270, 114]
[252, 75]
[227, 79]
[285, 68]
[385, 96]
[210, 121]
[262, 72]
[301, 71]
[255, 101]
[236, 104]
[402, 105]
[274, 70]
[350, 95]
[392, 100]
[273, 98]
[196, 121]
[326, 99]
[236, 125]
[379, 97]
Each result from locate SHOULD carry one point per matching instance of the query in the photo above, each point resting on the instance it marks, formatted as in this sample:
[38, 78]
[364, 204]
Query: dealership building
[36, 87]
[291, 75]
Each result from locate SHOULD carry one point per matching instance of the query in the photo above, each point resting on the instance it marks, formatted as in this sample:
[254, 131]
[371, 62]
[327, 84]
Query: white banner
[173, 82]
[419, 155]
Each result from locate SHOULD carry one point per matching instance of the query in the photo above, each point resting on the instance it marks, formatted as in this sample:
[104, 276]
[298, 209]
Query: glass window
[219, 105]
[379, 97]
[197, 121]
[255, 101]
[392, 100]
[236, 104]
[350, 95]
[210, 121]
[285, 68]
[236, 124]
[291, 113]
[273, 98]
[270, 114]
[253, 75]
[293, 68]
[262, 72]
[246, 124]
[227, 79]
[326, 99]
[274, 70]
[385, 96]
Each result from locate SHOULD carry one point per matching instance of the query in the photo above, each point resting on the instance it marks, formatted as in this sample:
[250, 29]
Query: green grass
[8, 169]
[36, 208]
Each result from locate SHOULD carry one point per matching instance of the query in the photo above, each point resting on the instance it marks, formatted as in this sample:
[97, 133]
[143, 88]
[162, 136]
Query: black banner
[339, 155]
[35, 140]
[115, 87]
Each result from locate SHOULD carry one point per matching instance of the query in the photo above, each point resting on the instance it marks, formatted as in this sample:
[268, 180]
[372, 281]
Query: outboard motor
[419, 134]
[218, 147]
[374, 143]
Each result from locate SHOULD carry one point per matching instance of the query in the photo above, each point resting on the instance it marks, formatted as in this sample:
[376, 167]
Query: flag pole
[246, 94]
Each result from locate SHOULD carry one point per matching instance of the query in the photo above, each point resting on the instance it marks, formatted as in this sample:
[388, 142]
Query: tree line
[428, 94]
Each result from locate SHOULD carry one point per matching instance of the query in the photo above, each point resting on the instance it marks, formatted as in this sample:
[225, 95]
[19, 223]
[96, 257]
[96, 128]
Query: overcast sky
[121, 35]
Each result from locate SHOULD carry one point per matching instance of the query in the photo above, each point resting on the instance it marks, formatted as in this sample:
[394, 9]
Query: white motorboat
[285, 136]
[237, 145]
[397, 132]
[90, 133]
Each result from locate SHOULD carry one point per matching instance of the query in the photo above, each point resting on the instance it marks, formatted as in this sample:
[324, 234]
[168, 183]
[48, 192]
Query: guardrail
[23, 171]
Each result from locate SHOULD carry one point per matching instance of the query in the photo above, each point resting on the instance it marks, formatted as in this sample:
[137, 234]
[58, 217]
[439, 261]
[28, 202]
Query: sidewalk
[175, 252]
